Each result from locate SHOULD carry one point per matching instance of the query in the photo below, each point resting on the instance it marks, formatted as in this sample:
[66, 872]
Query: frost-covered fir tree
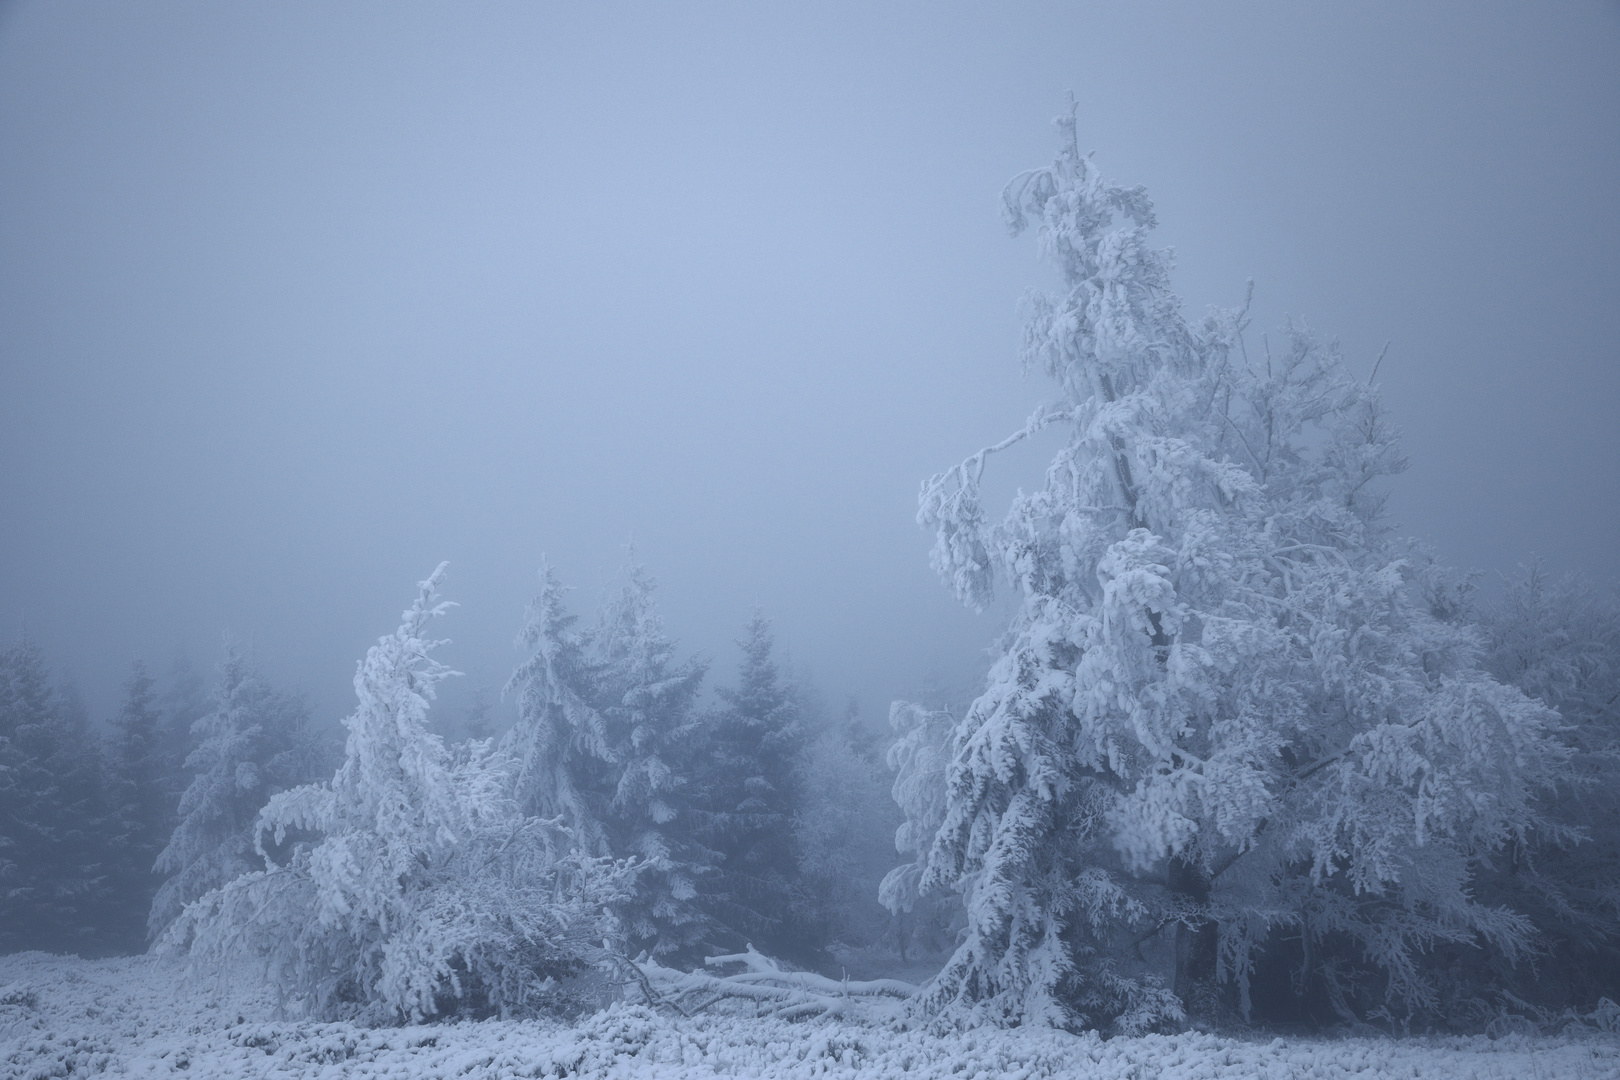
[648, 701]
[920, 759]
[255, 742]
[1221, 711]
[185, 699]
[565, 755]
[746, 791]
[55, 863]
[422, 888]
[604, 740]
[844, 831]
[141, 814]
[1558, 640]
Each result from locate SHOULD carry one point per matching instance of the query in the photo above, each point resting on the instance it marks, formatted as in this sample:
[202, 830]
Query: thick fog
[298, 300]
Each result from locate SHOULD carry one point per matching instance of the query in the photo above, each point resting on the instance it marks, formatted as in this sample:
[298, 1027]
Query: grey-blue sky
[298, 299]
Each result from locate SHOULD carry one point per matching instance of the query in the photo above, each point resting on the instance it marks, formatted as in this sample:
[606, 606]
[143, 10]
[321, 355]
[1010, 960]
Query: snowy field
[65, 1017]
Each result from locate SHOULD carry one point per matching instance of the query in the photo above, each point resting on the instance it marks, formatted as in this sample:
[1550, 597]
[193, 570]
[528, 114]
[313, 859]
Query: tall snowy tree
[746, 790]
[1221, 709]
[603, 739]
[141, 815]
[566, 756]
[422, 888]
[254, 743]
[185, 698]
[55, 863]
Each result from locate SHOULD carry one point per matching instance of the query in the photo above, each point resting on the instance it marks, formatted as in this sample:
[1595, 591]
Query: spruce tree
[55, 859]
[746, 791]
[647, 702]
[1558, 640]
[1222, 712]
[565, 755]
[185, 699]
[843, 830]
[256, 741]
[417, 888]
[604, 740]
[141, 814]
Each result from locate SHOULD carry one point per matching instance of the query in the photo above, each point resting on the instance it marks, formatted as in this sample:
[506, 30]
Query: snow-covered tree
[1221, 708]
[55, 863]
[422, 887]
[184, 699]
[746, 789]
[141, 813]
[920, 758]
[648, 705]
[1558, 640]
[604, 738]
[844, 831]
[255, 742]
[566, 760]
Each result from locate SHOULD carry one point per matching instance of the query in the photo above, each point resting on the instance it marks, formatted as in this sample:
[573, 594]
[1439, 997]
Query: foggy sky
[297, 300]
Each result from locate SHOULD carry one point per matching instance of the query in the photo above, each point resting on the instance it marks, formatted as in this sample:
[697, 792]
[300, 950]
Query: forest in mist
[738, 641]
[1243, 753]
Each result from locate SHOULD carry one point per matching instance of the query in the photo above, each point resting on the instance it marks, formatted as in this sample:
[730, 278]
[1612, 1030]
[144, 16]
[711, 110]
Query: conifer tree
[1558, 640]
[142, 815]
[1221, 710]
[54, 858]
[604, 740]
[255, 742]
[419, 887]
[919, 757]
[843, 829]
[566, 759]
[746, 791]
[185, 699]
[647, 704]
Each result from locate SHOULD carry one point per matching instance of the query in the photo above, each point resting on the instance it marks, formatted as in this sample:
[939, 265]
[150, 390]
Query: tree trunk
[1195, 944]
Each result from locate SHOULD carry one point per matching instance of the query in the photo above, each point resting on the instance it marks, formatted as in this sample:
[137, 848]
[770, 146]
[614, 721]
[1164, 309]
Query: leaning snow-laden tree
[421, 887]
[1220, 709]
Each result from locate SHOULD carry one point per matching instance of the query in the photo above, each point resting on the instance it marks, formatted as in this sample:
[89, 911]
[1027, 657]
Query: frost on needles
[1222, 712]
[412, 883]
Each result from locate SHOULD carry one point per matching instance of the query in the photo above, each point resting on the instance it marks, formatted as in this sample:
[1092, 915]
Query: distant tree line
[754, 818]
[751, 820]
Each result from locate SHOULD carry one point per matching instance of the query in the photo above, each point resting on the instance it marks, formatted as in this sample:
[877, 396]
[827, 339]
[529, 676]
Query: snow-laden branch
[766, 985]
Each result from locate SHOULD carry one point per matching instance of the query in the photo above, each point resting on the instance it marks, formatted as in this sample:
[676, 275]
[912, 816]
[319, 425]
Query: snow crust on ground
[136, 1016]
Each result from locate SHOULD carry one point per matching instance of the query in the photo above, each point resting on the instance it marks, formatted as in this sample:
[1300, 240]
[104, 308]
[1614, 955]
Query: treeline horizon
[107, 793]
[89, 809]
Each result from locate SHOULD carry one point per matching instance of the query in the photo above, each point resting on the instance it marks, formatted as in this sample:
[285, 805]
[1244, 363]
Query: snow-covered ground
[62, 1017]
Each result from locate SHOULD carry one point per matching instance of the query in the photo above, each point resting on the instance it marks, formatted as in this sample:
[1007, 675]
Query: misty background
[296, 301]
